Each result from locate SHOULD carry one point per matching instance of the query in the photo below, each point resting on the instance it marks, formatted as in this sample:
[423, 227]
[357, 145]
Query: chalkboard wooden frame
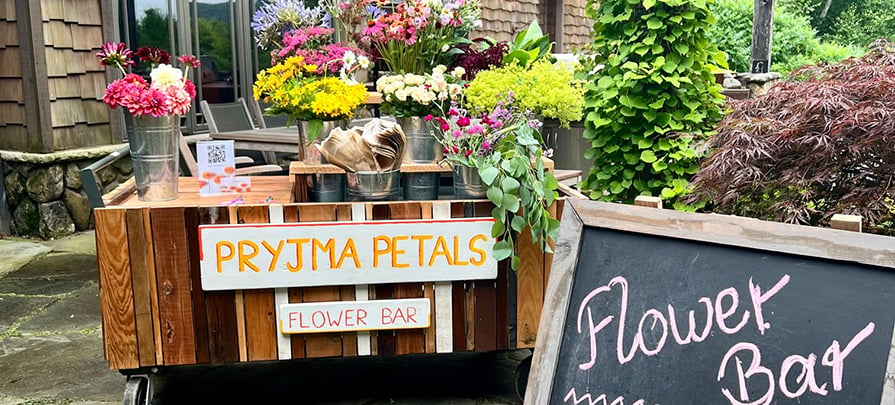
[711, 228]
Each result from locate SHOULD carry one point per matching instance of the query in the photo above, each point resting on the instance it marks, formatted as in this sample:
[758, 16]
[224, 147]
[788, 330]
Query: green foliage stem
[654, 99]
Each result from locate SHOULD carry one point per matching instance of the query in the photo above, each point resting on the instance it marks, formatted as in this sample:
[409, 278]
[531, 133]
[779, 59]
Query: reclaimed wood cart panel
[156, 313]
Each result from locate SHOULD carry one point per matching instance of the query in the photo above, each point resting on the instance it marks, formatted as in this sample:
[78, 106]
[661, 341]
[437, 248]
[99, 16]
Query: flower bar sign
[248, 256]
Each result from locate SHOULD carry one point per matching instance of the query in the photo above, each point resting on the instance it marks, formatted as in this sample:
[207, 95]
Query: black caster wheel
[136, 391]
[522, 371]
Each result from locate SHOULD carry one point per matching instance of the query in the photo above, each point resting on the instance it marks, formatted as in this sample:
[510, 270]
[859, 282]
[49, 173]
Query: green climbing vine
[653, 100]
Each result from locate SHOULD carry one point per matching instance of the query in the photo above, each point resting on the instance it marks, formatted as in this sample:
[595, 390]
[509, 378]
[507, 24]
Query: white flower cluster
[351, 63]
[439, 85]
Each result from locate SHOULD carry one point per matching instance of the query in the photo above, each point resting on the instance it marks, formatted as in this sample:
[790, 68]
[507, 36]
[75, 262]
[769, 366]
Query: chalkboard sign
[649, 306]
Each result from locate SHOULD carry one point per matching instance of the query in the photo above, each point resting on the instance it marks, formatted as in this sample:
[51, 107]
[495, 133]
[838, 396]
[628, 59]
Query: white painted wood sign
[351, 316]
[248, 256]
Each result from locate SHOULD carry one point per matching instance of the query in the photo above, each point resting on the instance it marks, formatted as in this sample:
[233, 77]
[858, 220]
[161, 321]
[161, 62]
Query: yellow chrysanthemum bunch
[290, 89]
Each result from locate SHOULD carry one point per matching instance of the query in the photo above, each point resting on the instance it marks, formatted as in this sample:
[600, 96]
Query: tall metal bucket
[373, 186]
[327, 187]
[155, 154]
[420, 145]
[421, 186]
[468, 184]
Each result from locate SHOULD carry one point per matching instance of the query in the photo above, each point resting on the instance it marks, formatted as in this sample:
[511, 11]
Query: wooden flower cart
[156, 314]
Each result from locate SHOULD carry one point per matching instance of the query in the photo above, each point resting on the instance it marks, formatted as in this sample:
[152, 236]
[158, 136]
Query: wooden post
[846, 222]
[762, 33]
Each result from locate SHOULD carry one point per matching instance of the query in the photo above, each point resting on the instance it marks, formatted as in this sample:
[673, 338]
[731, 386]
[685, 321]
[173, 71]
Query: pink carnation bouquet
[168, 92]
[312, 45]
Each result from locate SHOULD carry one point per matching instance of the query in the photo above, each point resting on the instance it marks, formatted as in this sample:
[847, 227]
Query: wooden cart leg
[137, 390]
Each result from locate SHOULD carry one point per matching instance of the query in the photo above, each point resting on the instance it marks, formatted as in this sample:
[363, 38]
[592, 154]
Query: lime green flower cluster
[547, 89]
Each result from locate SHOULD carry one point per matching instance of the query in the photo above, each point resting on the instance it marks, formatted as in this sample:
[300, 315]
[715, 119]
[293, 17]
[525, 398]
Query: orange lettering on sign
[397, 252]
[457, 261]
[421, 239]
[299, 262]
[274, 252]
[218, 247]
[350, 250]
[479, 251]
[379, 252]
[441, 249]
[328, 247]
[244, 257]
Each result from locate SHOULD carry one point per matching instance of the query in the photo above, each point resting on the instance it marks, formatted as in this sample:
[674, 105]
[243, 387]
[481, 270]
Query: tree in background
[848, 22]
[654, 98]
[794, 40]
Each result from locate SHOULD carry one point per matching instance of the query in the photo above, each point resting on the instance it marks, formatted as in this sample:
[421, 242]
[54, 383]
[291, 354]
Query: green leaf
[497, 229]
[510, 202]
[502, 250]
[509, 184]
[644, 143]
[659, 165]
[647, 4]
[648, 156]
[518, 223]
[314, 129]
[495, 196]
[654, 23]
[489, 174]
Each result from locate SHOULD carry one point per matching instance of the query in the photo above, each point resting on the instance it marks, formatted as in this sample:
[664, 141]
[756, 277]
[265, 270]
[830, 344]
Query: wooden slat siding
[501, 316]
[290, 215]
[200, 315]
[172, 271]
[555, 212]
[385, 339]
[136, 243]
[469, 211]
[153, 287]
[347, 293]
[485, 299]
[458, 296]
[320, 344]
[361, 291]
[530, 289]
[260, 314]
[281, 295]
[116, 293]
[411, 340]
[512, 304]
[429, 288]
[220, 306]
[239, 302]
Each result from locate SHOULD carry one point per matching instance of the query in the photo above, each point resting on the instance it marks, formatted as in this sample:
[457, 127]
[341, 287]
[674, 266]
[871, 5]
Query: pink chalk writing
[723, 308]
[834, 358]
[600, 400]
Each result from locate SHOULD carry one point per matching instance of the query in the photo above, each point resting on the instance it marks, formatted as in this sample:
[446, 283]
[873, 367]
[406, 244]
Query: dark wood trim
[110, 34]
[35, 85]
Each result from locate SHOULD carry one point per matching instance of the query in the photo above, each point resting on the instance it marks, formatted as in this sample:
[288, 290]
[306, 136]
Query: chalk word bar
[247, 256]
[350, 316]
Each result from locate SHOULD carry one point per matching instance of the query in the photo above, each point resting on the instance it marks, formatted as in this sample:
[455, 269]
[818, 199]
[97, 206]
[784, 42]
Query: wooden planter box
[155, 312]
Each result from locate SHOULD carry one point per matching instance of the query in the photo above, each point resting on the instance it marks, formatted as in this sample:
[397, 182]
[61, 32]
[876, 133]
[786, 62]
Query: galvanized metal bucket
[327, 187]
[468, 184]
[155, 153]
[420, 145]
[374, 186]
[421, 186]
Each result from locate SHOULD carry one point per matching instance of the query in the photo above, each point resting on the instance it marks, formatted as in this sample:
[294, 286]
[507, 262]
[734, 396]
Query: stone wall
[44, 192]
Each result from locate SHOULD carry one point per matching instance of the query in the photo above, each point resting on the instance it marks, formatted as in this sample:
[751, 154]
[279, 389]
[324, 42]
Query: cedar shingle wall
[576, 25]
[72, 36]
[503, 19]
[12, 100]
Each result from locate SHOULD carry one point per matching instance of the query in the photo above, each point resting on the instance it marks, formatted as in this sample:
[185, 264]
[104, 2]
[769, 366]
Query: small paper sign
[242, 184]
[346, 316]
[215, 160]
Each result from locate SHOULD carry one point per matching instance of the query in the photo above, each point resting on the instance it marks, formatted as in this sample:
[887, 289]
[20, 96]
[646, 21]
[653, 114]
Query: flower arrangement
[413, 95]
[352, 16]
[505, 147]
[420, 33]
[276, 18]
[547, 89]
[312, 45]
[480, 54]
[292, 87]
[168, 92]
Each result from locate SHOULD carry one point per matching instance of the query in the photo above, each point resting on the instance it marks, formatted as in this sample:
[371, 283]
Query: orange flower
[217, 179]
[207, 175]
[229, 170]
